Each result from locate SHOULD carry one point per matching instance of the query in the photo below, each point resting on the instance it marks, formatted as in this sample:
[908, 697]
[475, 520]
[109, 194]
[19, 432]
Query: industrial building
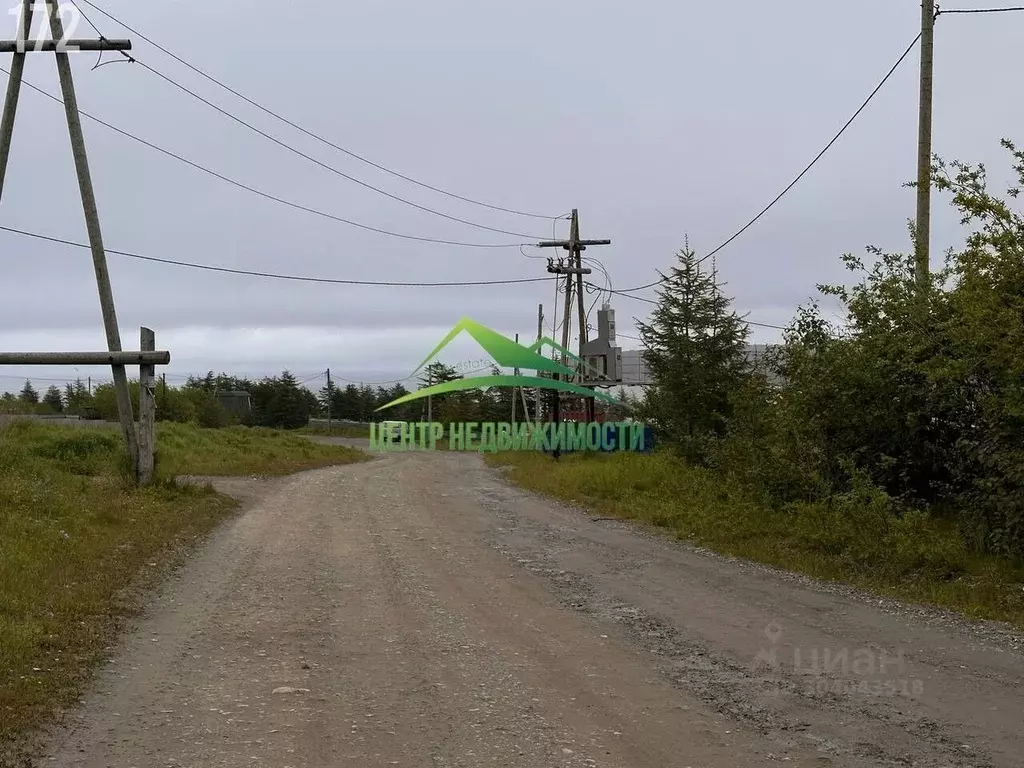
[609, 364]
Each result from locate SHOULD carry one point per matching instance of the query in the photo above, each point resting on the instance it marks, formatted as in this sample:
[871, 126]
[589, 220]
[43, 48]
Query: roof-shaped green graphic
[484, 382]
[508, 354]
[549, 342]
[505, 352]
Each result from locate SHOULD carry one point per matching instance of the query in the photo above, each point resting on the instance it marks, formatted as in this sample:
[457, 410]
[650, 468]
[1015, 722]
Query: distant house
[236, 403]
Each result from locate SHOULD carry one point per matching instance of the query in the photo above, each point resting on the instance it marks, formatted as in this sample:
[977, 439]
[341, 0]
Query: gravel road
[417, 611]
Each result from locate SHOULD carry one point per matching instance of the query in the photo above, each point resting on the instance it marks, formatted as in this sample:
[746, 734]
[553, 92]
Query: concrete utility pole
[59, 45]
[924, 147]
[575, 246]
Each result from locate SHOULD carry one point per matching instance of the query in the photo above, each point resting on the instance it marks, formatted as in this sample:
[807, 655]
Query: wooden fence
[140, 438]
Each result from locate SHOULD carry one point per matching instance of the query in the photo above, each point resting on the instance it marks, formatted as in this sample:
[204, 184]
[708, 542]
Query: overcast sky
[656, 120]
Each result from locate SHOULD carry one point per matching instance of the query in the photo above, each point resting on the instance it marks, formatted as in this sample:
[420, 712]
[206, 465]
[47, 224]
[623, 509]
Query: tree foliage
[28, 395]
[695, 352]
[53, 400]
[918, 394]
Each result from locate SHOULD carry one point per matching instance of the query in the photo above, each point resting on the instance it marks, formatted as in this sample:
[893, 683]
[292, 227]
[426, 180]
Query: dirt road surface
[417, 611]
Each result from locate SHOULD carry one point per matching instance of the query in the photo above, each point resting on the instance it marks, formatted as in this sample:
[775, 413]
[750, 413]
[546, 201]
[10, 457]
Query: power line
[31, 377]
[608, 284]
[766, 325]
[299, 128]
[802, 173]
[310, 158]
[322, 164]
[261, 193]
[652, 301]
[979, 10]
[273, 275]
[373, 383]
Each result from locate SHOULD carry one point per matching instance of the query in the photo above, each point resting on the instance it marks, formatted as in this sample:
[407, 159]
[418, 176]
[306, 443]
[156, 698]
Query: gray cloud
[657, 121]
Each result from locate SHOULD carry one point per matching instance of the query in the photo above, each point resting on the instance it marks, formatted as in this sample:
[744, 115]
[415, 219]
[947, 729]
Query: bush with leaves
[922, 391]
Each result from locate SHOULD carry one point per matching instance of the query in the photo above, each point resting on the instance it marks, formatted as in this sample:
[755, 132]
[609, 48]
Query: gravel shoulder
[416, 610]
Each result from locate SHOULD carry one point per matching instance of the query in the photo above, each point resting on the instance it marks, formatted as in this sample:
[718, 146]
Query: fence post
[147, 410]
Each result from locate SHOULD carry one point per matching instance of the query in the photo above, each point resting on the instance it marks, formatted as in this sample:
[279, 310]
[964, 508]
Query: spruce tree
[29, 396]
[695, 351]
[53, 399]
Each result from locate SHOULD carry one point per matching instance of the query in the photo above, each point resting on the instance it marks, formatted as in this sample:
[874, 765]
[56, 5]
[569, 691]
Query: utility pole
[515, 372]
[329, 393]
[575, 246]
[60, 46]
[540, 334]
[14, 88]
[922, 261]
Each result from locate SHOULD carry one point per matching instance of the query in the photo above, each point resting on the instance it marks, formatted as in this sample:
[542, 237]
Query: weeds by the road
[187, 450]
[338, 430]
[74, 534]
[852, 539]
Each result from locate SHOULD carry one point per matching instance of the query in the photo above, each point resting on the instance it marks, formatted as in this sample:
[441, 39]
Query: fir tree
[695, 352]
[53, 399]
[29, 396]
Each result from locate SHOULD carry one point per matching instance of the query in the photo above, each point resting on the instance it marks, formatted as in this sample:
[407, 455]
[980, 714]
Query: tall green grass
[854, 538]
[183, 449]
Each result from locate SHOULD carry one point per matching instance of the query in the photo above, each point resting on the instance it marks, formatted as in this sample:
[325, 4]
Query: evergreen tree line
[277, 401]
[914, 402]
[492, 405]
[280, 401]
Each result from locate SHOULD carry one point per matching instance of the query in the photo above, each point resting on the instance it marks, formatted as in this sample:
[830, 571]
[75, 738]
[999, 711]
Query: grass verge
[77, 540]
[335, 431]
[851, 539]
[183, 449]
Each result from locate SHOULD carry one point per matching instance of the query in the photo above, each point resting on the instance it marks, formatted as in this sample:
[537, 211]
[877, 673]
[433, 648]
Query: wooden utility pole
[575, 246]
[526, 408]
[60, 47]
[147, 409]
[566, 320]
[329, 393]
[922, 259]
[14, 88]
[515, 372]
[540, 335]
